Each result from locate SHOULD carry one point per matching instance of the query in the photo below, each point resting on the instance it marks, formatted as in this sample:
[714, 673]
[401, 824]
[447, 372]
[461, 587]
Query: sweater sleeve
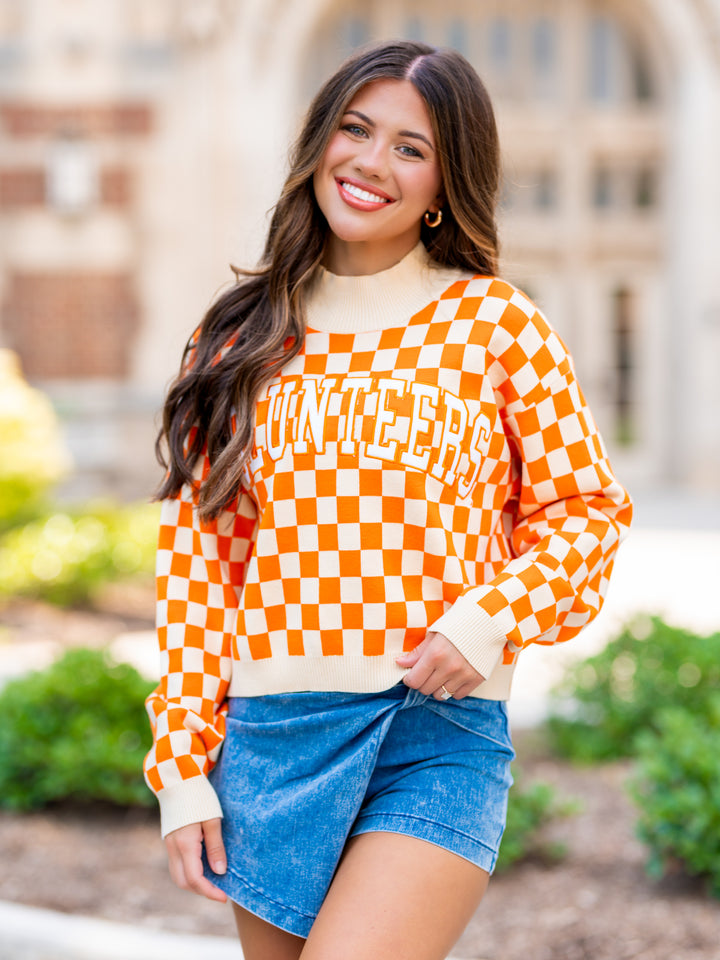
[200, 572]
[568, 515]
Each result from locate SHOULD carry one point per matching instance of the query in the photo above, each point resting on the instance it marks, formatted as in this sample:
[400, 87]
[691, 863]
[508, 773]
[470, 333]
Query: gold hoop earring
[433, 223]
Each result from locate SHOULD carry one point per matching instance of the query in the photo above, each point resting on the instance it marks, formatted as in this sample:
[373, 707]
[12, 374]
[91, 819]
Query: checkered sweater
[427, 462]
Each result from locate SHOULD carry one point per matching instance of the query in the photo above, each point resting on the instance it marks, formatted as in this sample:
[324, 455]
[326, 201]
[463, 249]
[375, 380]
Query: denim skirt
[300, 773]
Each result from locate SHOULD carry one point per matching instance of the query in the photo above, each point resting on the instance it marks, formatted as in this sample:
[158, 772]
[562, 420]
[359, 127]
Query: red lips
[356, 202]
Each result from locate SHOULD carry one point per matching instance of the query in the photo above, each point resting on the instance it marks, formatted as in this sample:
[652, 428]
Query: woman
[383, 483]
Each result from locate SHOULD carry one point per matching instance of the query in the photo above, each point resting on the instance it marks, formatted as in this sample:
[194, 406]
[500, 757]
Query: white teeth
[363, 194]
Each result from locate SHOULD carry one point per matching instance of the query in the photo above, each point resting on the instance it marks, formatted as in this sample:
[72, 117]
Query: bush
[619, 692]
[677, 788]
[65, 557]
[22, 499]
[75, 731]
[33, 455]
[529, 810]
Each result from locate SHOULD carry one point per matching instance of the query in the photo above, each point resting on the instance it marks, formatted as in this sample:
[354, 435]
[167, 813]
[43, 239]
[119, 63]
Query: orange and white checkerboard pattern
[441, 474]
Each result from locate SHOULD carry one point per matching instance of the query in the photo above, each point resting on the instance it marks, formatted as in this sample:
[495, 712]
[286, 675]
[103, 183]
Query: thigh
[261, 940]
[395, 897]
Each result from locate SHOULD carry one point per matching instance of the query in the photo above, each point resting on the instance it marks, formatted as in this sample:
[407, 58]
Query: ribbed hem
[350, 674]
[191, 801]
[359, 674]
[474, 633]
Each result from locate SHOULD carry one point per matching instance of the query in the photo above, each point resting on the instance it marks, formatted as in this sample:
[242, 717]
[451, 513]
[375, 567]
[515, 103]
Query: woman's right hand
[184, 848]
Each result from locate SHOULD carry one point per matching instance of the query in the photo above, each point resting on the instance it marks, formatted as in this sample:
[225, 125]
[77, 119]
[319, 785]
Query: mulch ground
[597, 903]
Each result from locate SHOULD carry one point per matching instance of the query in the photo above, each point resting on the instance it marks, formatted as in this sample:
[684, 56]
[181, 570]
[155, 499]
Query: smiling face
[378, 176]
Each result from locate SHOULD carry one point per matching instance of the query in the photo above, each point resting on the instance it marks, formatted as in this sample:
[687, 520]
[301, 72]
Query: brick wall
[71, 325]
[22, 187]
[102, 120]
[26, 187]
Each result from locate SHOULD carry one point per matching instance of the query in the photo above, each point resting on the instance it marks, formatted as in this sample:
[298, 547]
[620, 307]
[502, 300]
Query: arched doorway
[581, 89]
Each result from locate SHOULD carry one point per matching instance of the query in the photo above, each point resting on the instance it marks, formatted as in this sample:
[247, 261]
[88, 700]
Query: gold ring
[445, 695]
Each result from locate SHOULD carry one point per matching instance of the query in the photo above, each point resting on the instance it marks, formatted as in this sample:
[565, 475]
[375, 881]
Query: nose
[372, 160]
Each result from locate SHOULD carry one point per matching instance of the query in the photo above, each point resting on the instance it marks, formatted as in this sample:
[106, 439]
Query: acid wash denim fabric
[299, 773]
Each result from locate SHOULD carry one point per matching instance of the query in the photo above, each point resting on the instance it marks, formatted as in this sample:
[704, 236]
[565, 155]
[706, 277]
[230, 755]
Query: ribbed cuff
[191, 801]
[474, 633]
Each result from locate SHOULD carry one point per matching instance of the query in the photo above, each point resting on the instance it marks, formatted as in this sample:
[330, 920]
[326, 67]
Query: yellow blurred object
[31, 444]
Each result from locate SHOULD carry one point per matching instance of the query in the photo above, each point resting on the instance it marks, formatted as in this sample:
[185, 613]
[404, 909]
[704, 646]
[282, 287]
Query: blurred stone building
[142, 143]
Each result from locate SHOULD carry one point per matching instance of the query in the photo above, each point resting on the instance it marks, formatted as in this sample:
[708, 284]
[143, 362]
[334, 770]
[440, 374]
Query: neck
[388, 298]
[362, 258]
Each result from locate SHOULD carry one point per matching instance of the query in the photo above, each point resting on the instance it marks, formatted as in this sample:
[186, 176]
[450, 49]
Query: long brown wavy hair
[211, 404]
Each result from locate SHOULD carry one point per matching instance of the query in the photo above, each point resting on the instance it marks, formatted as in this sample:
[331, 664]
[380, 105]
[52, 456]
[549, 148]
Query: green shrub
[616, 694]
[33, 455]
[75, 731]
[529, 810]
[677, 788]
[21, 500]
[65, 557]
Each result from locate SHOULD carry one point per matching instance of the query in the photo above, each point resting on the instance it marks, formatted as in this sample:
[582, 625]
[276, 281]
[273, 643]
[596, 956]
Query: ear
[438, 203]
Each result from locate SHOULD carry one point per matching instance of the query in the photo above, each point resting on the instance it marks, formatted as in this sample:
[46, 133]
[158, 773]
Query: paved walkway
[28, 933]
[672, 573]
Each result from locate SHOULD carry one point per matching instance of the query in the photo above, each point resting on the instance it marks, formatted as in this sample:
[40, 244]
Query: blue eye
[409, 151]
[354, 128]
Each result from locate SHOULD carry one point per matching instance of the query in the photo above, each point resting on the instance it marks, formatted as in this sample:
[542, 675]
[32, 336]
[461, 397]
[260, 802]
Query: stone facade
[142, 143]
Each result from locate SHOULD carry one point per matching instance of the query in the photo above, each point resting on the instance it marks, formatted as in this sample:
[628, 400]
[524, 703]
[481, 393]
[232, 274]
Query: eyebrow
[403, 133]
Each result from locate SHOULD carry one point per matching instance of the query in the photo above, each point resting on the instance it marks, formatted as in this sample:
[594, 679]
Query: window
[458, 37]
[73, 183]
[625, 364]
[11, 28]
[619, 69]
[546, 190]
[149, 29]
[531, 192]
[603, 192]
[507, 196]
[642, 78]
[625, 187]
[500, 41]
[414, 29]
[499, 55]
[357, 32]
[339, 37]
[646, 188]
[543, 57]
[602, 58]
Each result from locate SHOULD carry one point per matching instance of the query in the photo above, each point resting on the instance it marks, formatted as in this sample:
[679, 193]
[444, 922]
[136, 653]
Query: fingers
[439, 663]
[411, 657]
[462, 691]
[214, 847]
[184, 849]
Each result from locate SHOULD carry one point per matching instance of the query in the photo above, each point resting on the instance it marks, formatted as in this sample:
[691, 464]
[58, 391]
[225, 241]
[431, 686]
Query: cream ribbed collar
[390, 298]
